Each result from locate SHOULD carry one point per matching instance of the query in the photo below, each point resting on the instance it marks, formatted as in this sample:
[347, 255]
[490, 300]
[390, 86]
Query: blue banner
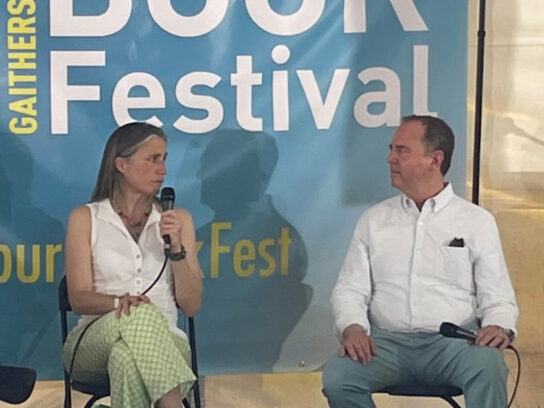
[279, 115]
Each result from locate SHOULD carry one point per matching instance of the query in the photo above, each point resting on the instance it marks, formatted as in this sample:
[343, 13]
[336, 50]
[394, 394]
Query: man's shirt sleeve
[351, 294]
[495, 296]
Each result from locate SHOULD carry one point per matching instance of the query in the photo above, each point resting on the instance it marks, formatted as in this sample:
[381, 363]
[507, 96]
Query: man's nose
[390, 157]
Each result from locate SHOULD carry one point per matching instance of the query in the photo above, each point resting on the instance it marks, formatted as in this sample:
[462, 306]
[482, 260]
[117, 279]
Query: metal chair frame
[103, 390]
[445, 392]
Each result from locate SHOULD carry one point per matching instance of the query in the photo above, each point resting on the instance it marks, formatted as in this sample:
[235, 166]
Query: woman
[114, 253]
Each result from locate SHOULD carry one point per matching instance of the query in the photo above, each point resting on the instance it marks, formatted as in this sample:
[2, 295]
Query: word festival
[203, 109]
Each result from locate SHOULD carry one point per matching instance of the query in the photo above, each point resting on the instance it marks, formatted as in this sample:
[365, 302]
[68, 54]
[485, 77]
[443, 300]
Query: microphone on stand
[168, 197]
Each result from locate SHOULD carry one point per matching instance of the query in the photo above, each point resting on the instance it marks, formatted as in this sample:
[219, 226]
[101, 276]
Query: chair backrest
[64, 307]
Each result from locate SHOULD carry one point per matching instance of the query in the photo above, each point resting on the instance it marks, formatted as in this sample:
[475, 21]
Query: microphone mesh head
[447, 329]
[167, 198]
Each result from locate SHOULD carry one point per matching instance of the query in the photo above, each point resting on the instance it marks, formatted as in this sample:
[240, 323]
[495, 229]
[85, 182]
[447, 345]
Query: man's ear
[437, 159]
[119, 164]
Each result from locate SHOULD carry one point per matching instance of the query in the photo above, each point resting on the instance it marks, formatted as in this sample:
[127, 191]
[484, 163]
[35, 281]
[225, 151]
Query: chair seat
[16, 383]
[423, 390]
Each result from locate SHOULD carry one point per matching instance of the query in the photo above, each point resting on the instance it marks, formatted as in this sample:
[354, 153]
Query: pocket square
[457, 242]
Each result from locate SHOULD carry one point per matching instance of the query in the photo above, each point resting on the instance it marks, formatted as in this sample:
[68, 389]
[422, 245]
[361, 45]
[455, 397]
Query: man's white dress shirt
[402, 274]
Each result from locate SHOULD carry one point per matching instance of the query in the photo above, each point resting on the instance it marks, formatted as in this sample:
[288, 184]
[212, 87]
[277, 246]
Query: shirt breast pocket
[453, 266]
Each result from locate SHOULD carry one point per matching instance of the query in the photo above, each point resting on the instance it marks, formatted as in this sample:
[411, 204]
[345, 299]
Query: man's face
[409, 163]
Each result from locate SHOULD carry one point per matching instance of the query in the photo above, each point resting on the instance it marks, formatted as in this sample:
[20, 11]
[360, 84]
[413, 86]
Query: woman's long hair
[123, 142]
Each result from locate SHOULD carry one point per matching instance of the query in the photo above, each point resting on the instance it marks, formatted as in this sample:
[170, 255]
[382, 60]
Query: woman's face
[144, 171]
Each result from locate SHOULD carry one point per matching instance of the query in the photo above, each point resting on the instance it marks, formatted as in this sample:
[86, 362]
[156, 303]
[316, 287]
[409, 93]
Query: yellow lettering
[216, 248]
[35, 274]
[50, 252]
[28, 125]
[16, 8]
[284, 242]
[14, 78]
[22, 60]
[24, 106]
[21, 43]
[22, 91]
[271, 262]
[18, 25]
[6, 271]
[244, 250]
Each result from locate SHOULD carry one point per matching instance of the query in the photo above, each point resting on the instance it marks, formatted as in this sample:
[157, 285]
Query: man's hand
[493, 336]
[357, 344]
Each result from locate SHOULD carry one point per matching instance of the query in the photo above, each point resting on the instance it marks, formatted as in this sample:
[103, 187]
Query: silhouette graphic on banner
[252, 258]
[30, 261]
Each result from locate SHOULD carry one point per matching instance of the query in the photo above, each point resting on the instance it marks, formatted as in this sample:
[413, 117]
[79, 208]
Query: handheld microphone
[451, 330]
[167, 203]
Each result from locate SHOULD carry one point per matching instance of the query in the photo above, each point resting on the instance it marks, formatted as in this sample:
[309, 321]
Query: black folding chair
[98, 391]
[444, 392]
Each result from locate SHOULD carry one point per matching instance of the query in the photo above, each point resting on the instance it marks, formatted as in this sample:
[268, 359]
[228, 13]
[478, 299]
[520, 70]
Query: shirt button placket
[416, 265]
[138, 280]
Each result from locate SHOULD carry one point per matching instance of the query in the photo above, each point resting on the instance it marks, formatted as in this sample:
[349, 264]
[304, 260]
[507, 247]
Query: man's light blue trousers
[418, 358]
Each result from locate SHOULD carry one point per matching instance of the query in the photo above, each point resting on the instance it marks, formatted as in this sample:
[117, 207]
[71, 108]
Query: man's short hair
[438, 136]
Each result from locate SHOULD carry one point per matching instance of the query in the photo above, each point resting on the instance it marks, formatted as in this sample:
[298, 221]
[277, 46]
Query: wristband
[511, 335]
[177, 256]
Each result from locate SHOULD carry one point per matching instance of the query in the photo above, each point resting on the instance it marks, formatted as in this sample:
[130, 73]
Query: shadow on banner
[252, 258]
[30, 257]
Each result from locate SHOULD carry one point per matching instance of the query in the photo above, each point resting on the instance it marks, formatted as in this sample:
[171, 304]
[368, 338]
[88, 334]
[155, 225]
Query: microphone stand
[478, 105]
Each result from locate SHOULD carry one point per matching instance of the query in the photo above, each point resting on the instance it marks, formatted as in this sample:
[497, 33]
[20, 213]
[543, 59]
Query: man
[416, 260]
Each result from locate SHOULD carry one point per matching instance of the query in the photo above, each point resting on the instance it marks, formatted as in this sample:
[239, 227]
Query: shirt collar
[444, 197]
[437, 202]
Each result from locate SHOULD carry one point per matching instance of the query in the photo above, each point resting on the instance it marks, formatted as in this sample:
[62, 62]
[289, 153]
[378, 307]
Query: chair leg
[451, 402]
[185, 403]
[196, 394]
[91, 401]
[67, 394]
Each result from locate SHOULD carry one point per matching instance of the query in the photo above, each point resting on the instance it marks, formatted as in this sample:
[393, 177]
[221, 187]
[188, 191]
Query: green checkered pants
[142, 357]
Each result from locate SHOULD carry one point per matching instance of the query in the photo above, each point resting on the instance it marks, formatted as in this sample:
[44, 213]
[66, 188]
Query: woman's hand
[126, 301]
[172, 224]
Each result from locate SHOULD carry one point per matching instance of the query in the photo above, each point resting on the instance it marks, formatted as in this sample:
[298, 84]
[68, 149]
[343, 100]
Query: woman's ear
[119, 164]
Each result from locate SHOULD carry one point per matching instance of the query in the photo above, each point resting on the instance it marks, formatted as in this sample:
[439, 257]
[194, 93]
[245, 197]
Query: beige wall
[512, 166]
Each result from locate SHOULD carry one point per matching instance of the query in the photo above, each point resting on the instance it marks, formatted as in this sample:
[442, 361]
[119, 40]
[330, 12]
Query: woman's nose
[162, 168]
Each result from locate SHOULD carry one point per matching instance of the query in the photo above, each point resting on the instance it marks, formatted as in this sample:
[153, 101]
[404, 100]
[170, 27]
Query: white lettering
[243, 79]
[421, 80]
[355, 16]
[63, 23]
[188, 26]
[390, 97]
[323, 111]
[408, 15]
[303, 19]
[405, 10]
[186, 97]
[280, 89]
[61, 92]
[122, 102]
